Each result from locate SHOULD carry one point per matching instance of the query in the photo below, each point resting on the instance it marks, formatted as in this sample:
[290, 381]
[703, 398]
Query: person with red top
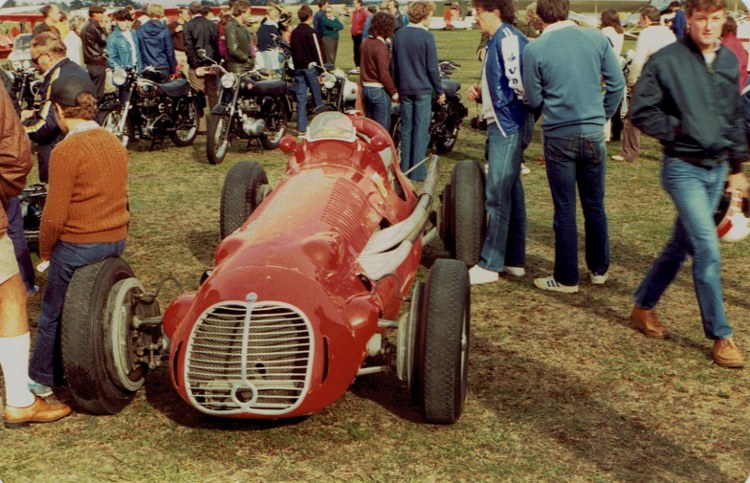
[378, 88]
[729, 40]
[359, 17]
[85, 217]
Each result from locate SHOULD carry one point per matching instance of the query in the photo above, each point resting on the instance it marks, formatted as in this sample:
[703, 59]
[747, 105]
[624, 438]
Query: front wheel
[112, 122]
[186, 124]
[447, 141]
[98, 344]
[217, 142]
[276, 122]
[464, 211]
[245, 187]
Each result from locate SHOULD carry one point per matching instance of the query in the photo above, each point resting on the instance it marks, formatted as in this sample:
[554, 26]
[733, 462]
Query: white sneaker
[479, 275]
[515, 271]
[525, 169]
[549, 283]
[617, 157]
[599, 279]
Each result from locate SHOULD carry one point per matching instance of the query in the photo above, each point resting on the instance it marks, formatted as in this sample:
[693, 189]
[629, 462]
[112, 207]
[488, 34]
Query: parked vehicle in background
[148, 110]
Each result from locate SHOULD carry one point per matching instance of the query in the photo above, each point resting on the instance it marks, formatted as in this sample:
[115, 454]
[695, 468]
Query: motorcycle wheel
[395, 133]
[217, 142]
[186, 128]
[445, 144]
[111, 123]
[276, 122]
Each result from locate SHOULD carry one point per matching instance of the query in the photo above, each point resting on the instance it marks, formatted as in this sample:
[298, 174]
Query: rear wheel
[442, 351]
[111, 122]
[99, 347]
[276, 122]
[245, 187]
[217, 137]
[446, 142]
[186, 124]
[466, 218]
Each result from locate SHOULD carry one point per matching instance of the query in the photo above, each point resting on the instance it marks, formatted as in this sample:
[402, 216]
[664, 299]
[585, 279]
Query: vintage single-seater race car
[306, 291]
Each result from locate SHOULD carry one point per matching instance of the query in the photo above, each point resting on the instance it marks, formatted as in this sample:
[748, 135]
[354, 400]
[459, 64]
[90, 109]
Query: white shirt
[128, 34]
[650, 40]
[74, 47]
[614, 38]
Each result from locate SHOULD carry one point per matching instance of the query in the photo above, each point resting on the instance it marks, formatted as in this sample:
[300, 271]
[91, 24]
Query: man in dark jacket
[48, 53]
[239, 42]
[94, 40]
[687, 98]
[51, 14]
[201, 33]
[305, 46]
[155, 44]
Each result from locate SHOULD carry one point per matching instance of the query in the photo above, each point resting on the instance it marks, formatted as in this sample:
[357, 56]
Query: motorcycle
[445, 119]
[23, 87]
[150, 109]
[32, 200]
[250, 107]
[339, 93]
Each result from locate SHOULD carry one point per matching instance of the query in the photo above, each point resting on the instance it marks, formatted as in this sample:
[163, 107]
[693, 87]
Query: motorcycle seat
[450, 86]
[274, 87]
[175, 88]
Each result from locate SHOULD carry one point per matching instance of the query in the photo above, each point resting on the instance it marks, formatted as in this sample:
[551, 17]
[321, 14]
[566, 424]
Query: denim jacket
[503, 64]
[119, 50]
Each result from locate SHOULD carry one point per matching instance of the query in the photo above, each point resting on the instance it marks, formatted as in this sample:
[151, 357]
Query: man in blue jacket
[501, 91]
[568, 89]
[155, 44]
[686, 98]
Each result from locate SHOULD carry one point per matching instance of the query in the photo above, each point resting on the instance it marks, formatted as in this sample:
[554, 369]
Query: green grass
[561, 388]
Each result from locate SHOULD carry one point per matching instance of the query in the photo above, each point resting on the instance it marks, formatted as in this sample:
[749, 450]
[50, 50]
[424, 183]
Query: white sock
[14, 359]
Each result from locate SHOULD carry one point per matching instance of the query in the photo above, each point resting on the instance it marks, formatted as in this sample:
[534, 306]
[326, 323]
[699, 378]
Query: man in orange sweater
[85, 217]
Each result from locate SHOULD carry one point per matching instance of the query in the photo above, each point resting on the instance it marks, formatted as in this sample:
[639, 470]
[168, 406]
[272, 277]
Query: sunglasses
[36, 59]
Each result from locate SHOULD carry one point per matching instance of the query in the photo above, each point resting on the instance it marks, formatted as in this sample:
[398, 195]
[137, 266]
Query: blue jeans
[20, 245]
[66, 257]
[377, 105]
[305, 79]
[696, 192]
[415, 133]
[505, 242]
[578, 160]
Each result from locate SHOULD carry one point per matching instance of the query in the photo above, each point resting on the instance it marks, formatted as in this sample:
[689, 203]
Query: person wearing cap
[85, 217]
[48, 53]
[21, 406]
[94, 39]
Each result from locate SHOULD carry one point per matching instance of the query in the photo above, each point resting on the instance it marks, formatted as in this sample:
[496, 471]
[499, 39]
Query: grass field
[561, 388]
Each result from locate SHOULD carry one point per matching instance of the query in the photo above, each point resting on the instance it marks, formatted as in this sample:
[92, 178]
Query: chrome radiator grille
[249, 358]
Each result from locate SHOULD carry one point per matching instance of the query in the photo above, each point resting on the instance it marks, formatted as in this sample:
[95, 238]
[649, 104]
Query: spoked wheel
[276, 123]
[245, 187]
[101, 350]
[111, 123]
[217, 142]
[441, 355]
[186, 128]
[464, 213]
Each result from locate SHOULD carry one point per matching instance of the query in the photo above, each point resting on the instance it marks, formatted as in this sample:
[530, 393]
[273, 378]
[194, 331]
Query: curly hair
[86, 107]
[420, 10]
[383, 24]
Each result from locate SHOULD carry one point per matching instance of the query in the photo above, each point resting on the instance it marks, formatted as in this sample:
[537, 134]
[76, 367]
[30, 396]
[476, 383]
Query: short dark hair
[304, 13]
[551, 11]
[652, 13]
[86, 107]
[122, 14]
[240, 7]
[196, 8]
[611, 19]
[383, 24]
[704, 5]
[507, 8]
[45, 10]
[730, 26]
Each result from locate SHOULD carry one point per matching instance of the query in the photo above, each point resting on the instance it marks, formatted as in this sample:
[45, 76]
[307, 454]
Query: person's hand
[395, 97]
[441, 99]
[739, 182]
[475, 92]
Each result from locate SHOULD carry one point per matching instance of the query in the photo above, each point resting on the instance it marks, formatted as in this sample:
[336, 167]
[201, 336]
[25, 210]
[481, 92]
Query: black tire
[467, 214]
[444, 348]
[445, 144]
[217, 137]
[245, 186]
[111, 121]
[447, 218]
[83, 337]
[187, 124]
[276, 123]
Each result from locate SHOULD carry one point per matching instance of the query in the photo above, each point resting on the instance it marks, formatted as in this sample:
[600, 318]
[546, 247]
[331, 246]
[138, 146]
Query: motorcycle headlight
[119, 76]
[26, 64]
[228, 80]
[329, 80]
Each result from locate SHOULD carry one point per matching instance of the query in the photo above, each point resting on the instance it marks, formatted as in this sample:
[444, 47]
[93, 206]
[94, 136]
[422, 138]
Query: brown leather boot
[647, 322]
[39, 412]
[726, 354]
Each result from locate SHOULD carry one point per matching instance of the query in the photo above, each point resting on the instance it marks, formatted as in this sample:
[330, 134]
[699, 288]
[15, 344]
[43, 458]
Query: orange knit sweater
[87, 199]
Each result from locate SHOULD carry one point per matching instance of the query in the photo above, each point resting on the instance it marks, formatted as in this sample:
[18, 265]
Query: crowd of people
[703, 137]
